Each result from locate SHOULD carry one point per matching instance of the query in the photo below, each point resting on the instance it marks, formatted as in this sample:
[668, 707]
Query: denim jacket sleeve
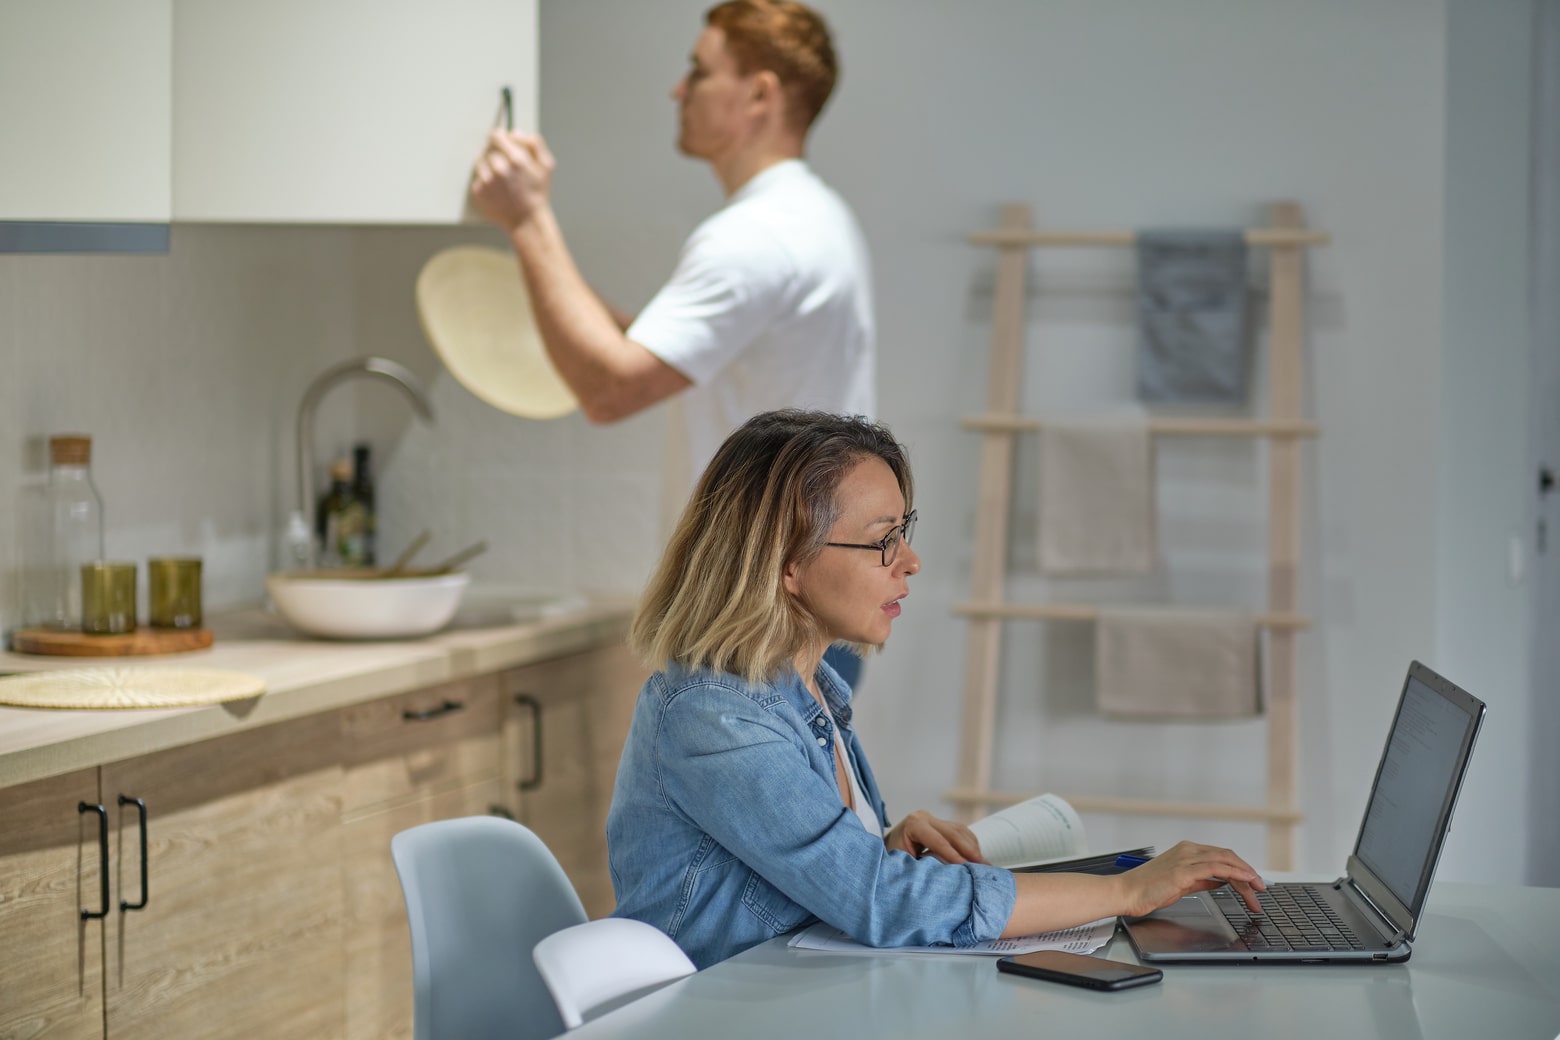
[747, 772]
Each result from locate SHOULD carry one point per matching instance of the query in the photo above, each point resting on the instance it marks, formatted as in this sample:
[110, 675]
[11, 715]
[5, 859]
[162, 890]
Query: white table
[1486, 966]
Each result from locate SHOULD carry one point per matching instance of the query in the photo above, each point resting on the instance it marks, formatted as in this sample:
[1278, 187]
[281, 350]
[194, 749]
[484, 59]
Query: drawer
[420, 744]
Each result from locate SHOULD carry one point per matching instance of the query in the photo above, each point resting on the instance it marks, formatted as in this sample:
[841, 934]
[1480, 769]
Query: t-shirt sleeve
[727, 288]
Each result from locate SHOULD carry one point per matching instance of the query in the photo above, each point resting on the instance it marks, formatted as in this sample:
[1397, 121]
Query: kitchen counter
[303, 676]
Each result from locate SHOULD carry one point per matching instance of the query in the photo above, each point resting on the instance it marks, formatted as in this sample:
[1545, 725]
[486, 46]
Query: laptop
[1370, 914]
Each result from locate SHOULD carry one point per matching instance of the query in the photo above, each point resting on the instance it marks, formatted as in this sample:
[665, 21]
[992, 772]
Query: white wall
[1484, 489]
[1101, 115]
[188, 368]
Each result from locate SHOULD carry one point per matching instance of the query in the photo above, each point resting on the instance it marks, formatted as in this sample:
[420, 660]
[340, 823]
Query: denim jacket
[727, 828]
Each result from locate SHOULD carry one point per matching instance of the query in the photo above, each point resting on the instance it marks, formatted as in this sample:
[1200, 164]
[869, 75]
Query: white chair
[480, 893]
[601, 964]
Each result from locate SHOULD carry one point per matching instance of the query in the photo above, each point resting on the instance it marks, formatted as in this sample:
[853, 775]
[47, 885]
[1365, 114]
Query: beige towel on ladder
[1097, 498]
[1176, 663]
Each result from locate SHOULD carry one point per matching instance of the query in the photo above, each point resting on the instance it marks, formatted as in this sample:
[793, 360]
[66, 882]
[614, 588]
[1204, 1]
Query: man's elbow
[629, 395]
[604, 409]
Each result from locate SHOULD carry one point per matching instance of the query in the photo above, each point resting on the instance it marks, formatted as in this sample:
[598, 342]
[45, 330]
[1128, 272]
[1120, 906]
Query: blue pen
[1126, 861]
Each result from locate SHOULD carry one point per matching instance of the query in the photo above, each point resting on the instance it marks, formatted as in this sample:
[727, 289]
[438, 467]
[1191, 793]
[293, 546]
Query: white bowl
[369, 607]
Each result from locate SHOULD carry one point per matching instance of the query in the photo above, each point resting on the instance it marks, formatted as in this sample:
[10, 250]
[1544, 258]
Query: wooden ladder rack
[1000, 425]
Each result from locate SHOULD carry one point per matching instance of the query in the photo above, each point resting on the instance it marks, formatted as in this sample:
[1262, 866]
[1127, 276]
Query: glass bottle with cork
[75, 516]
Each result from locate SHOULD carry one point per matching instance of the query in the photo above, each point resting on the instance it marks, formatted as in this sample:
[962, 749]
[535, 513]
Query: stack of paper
[1085, 938]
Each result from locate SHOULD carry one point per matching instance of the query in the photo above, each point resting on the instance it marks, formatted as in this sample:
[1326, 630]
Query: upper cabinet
[85, 110]
[338, 111]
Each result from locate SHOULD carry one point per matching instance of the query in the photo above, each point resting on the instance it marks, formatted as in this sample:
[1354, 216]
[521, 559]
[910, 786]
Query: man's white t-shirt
[770, 307]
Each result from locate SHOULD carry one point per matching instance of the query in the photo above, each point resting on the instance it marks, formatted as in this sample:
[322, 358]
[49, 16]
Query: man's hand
[512, 178]
[922, 834]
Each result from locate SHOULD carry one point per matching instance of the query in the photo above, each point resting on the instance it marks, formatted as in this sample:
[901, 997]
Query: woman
[744, 805]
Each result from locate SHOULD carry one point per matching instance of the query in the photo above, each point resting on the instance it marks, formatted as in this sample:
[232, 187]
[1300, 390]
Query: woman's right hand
[1184, 869]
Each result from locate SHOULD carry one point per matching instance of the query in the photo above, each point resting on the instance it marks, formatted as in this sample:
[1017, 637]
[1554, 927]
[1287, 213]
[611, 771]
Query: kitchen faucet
[395, 372]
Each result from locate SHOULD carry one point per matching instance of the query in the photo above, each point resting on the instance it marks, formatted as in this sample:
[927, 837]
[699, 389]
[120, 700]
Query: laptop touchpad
[1188, 909]
[1188, 925]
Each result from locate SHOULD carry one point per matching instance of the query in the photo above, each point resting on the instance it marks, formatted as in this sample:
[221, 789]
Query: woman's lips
[891, 608]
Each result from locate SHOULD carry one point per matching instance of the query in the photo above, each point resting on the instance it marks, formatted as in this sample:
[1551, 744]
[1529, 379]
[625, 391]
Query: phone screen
[1078, 970]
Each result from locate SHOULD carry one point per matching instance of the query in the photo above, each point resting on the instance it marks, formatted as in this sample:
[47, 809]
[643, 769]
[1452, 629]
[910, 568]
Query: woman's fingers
[1189, 867]
[950, 842]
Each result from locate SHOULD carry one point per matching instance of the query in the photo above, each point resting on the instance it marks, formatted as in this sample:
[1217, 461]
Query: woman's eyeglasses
[889, 545]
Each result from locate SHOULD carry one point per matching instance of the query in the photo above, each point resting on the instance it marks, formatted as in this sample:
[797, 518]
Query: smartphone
[1077, 970]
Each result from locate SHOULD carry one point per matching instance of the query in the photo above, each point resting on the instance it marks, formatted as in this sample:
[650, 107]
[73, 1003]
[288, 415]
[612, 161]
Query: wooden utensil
[411, 550]
[459, 558]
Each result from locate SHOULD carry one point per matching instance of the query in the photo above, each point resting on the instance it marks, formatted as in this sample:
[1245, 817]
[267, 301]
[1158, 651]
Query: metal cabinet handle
[533, 781]
[140, 808]
[447, 708]
[81, 807]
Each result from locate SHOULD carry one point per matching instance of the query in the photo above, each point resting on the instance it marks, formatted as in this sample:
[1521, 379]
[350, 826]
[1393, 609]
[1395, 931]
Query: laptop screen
[1416, 785]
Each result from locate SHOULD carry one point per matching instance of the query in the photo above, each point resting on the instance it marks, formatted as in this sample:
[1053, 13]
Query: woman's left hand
[922, 834]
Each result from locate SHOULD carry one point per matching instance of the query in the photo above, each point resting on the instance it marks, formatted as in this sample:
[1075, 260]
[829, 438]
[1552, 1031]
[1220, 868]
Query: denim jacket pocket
[772, 906]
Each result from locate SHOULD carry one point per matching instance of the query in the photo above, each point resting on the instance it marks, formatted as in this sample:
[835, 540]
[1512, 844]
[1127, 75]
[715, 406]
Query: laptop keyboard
[1294, 918]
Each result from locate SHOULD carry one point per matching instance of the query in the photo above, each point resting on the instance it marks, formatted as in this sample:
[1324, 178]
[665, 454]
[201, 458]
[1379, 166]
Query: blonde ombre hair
[767, 501]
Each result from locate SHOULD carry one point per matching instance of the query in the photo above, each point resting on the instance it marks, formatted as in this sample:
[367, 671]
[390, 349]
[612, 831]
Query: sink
[497, 606]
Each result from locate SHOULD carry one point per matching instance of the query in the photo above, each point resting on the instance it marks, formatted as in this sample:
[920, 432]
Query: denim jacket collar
[835, 693]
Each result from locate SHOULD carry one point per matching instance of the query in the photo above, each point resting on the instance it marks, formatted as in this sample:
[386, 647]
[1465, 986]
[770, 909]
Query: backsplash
[187, 370]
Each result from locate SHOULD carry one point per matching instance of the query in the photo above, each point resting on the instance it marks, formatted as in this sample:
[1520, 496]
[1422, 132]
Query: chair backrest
[604, 962]
[480, 893]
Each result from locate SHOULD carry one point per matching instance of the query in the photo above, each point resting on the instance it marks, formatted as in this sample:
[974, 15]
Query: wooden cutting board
[128, 644]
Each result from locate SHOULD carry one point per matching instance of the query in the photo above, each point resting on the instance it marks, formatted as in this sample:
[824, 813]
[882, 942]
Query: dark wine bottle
[363, 491]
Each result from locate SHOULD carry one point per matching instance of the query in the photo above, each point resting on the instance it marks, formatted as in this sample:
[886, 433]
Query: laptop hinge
[1395, 935]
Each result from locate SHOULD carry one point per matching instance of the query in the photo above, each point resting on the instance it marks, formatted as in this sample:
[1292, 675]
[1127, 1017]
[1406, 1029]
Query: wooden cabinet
[86, 110]
[272, 904]
[427, 756]
[243, 928]
[51, 960]
[353, 111]
[563, 734]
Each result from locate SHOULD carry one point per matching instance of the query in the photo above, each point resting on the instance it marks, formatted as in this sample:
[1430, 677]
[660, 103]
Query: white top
[858, 800]
[770, 307]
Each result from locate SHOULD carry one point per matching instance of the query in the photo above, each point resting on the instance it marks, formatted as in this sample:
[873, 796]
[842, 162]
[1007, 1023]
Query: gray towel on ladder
[1191, 292]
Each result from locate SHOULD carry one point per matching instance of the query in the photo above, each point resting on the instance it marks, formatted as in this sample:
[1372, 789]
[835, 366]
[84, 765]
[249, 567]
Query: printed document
[1085, 938]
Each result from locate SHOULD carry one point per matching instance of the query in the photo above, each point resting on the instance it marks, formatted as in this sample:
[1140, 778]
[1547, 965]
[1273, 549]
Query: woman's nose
[909, 561]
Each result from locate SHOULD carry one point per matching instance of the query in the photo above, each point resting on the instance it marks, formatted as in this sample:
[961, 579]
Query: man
[770, 305]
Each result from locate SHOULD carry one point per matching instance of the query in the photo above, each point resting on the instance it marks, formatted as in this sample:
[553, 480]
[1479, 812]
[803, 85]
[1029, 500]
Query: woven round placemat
[477, 314]
[127, 688]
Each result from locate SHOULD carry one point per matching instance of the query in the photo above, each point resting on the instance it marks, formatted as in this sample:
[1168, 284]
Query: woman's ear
[791, 578]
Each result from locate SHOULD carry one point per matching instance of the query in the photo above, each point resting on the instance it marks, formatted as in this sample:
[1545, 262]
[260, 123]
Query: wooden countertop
[303, 676]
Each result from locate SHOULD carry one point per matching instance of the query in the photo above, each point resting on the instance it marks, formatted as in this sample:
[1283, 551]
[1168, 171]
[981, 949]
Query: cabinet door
[242, 932]
[378, 957]
[85, 110]
[429, 755]
[51, 960]
[580, 706]
[352, 111]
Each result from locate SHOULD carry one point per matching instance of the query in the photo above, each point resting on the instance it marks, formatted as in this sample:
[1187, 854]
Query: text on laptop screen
[1402, 820]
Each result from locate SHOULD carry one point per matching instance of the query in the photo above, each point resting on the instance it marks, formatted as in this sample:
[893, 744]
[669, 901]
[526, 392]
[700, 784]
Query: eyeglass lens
[902, 533]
